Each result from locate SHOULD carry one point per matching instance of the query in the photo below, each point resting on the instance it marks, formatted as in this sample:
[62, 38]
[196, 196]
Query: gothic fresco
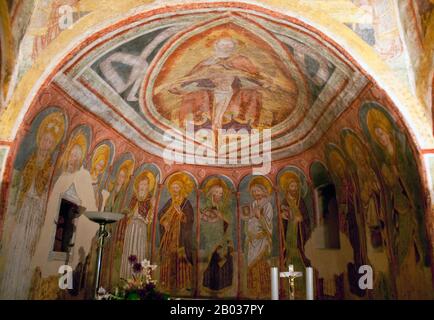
[373, 223]
[175, 244]
[209, 228]
[136, 227]
[345, 188]
[150, 76]
[349, 219]
[218, 241]
[404, 204]
[226, 83]
[117, 187]
[33, 168]
[99, 164]
[259, 235]
[297, 220]
[69, 234]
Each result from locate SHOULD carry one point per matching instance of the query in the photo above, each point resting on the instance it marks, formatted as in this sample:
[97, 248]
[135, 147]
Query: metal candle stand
[102, 218]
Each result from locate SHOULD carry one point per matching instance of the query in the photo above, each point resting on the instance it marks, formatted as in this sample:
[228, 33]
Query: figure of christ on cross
[291, 275]
[223, 86]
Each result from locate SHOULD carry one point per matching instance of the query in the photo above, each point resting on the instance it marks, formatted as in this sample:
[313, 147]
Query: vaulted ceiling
[138, 76]
[144, 67]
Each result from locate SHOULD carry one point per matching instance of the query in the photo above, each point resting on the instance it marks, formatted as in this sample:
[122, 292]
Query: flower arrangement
[140, 287]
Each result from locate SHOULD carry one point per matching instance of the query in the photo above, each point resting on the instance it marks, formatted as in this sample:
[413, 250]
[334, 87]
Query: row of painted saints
[241, 234]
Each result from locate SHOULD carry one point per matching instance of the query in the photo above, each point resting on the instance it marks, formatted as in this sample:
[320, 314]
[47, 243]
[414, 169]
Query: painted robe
[176, 251]
[96, 185]
[370, 200]
[259, 244]
[29, 219]
[113, 253]
[115, 200]
[207, 98]
[136, 233]
[296, 233]
[216, 233]
[219, 273]
[373, 229]
[348, 225]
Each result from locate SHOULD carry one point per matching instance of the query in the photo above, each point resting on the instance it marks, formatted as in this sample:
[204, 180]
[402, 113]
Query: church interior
[185, 148]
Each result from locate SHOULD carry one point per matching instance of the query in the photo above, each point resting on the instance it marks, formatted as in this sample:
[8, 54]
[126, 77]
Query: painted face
[293, 186]
[383, 137]
[75, 157]
[47, 142]
[258, 193]
[217, 194]
[224, 47]
[175, 188]
[121, 177]
[143, 187]
[99, 166]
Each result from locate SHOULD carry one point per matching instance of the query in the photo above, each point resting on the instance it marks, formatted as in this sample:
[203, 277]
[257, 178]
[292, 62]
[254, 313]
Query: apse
[134, 120]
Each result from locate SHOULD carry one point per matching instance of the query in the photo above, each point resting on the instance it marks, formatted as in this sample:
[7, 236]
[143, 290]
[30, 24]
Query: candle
[274, 283]
[309, 283]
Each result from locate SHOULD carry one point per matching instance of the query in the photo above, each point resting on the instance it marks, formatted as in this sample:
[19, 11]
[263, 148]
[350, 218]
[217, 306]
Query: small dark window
[328, 216]
[65, 227]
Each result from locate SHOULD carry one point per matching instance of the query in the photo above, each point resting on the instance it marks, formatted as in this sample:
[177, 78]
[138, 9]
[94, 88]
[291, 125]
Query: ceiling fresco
[347, 187]
[237, 69]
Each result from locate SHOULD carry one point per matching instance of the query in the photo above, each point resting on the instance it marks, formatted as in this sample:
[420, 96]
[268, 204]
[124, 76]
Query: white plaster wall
[85, 229]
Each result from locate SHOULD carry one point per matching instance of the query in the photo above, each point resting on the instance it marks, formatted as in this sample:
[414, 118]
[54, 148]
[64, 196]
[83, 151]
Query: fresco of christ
[225, 83]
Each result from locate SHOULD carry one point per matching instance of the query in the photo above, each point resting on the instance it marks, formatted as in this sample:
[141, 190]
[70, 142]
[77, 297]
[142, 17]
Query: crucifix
[291, 275]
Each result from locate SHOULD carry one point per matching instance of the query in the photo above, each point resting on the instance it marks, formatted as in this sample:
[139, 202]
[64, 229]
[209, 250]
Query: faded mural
[260, 246]
[297, 220]
[33, 167]
[218, 241]
[228, 83]
[344, 190]
[176, 230]
[219, 238]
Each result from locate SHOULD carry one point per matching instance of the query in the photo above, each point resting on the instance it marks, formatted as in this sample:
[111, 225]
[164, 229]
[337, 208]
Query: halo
[215, 181]
[80, 140]
[54, 123]
[286, 178]
[261, 181]
[102, 152]
[148, 175]
[182, 178]
[293, 173]
[377, 119]
[128, 165]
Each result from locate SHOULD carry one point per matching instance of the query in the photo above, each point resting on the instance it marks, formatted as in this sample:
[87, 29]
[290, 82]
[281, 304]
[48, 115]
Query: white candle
[274, 283]
[309, 283]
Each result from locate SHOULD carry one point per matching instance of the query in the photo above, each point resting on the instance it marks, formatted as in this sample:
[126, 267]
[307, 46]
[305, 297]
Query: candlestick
[102, 218]
[274, 283]
[309, 283]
